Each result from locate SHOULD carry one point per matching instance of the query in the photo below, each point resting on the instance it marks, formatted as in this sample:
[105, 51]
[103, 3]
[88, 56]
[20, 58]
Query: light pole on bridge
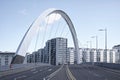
[105, 42]
[96, 37]
[90, 44]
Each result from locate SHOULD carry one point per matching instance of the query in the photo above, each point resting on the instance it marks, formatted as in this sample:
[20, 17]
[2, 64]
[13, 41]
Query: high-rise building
[56, 49]
[47, 50]
[41, 55]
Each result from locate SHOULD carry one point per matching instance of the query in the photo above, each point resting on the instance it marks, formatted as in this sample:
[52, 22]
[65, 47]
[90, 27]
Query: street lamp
[96, 41]
[90, 43]
[105, 41]
[96, 46]
[91, 50]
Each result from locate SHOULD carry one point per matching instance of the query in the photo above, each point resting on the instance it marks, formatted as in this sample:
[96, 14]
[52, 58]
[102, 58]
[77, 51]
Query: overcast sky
[88, 16]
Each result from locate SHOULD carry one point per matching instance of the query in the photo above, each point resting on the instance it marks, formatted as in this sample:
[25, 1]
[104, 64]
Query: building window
[6, 60]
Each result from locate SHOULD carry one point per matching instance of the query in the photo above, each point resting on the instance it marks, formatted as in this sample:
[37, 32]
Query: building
[112, 56]
[100, 55]
[47, 52]
[92, 55]
[54, 52]
[116, 48]
[36, 57]
[6, 57]
[30, 58]
[70, 55]
[41, 55]
[57, 50]
[85, 54]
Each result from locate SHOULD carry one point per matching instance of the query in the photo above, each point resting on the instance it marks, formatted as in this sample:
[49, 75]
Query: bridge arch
[33, 30]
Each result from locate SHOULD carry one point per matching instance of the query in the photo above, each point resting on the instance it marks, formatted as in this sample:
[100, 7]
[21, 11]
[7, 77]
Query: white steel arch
[33, 30]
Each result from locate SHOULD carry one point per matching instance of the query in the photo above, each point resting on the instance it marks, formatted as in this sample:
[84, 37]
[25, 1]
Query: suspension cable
[41, 42]
[67, 33]
[37, 37]
[45, 32]
[62, 30]
[52, 26]
[57, 29]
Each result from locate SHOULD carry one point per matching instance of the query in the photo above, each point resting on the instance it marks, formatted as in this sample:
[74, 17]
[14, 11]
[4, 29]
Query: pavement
[65, 72]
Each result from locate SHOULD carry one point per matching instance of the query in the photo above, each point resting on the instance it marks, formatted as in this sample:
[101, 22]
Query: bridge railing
[107, 65]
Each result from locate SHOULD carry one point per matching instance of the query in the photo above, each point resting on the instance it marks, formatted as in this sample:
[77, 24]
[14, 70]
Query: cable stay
[66, 33]
[44, 33]
[52, 26]
[62, 30]
[37, 37]
[57, 29]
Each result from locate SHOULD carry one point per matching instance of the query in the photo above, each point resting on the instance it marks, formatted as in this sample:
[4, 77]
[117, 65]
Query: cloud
[23, 12]
[52, 18]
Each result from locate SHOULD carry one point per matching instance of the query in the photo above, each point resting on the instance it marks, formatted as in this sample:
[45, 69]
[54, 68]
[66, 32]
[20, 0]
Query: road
[66, 72]
[89, 72]
[38, 73]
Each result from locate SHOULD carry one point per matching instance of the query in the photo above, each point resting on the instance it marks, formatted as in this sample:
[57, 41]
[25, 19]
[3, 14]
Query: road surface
[38, 73]
[66, 72]
[89, 72]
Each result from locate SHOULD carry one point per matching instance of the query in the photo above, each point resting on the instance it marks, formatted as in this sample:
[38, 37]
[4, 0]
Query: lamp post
[90, 43]
[96, 37]
[105, 42]
[91, 50]
[96, 41]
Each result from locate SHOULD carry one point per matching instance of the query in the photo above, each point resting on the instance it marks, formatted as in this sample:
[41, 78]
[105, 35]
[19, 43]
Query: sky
[88, 16]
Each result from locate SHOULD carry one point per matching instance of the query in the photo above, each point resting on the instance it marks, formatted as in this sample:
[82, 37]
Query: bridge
[65, 71]
[62, 72]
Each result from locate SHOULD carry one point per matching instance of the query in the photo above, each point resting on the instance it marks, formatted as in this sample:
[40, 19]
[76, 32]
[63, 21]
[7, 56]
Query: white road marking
[19, 77]
[35, 72]
[33, 69]
[53, 74]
